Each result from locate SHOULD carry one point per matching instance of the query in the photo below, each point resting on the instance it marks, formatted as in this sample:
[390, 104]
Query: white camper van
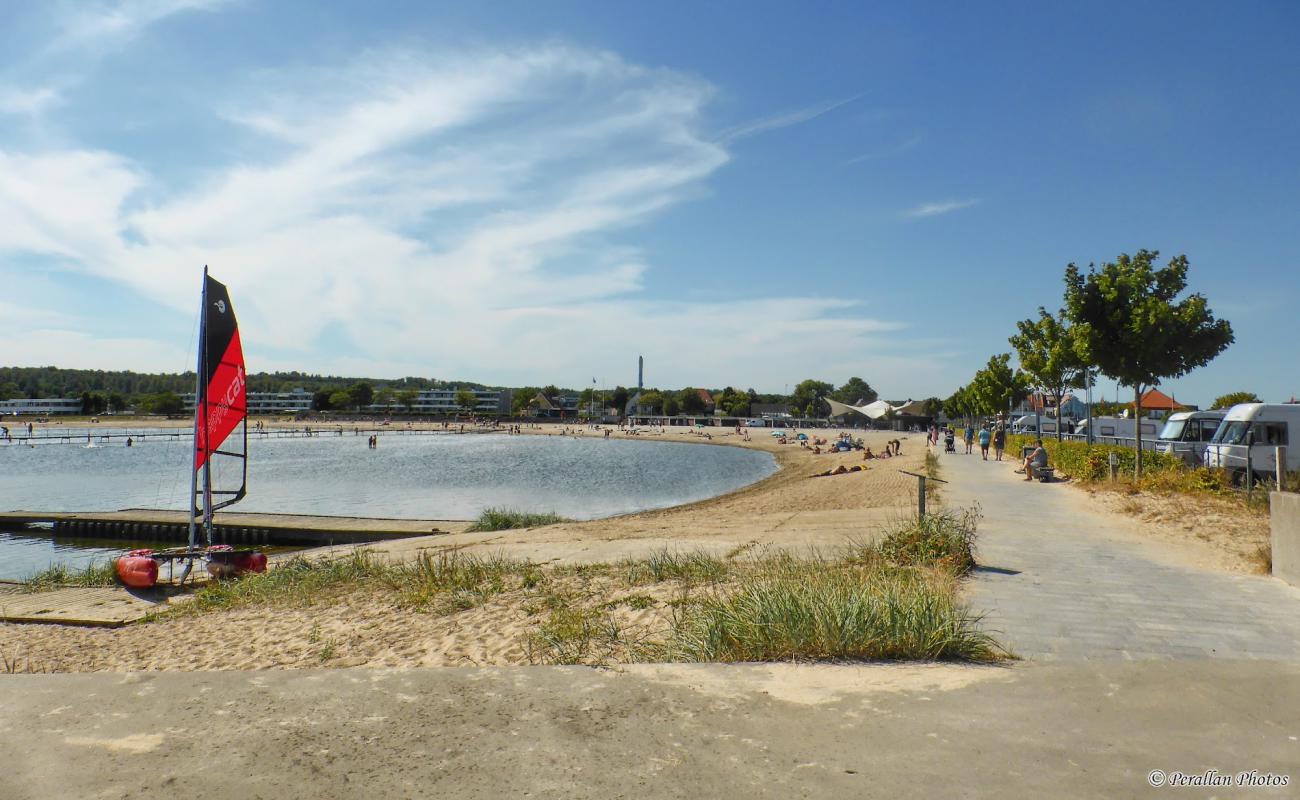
[1028, 424]
[1186, 433]
[1260, 428]
[1109, 428]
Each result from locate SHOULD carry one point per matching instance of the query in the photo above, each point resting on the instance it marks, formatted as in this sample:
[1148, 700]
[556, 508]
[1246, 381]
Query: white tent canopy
[874, 410]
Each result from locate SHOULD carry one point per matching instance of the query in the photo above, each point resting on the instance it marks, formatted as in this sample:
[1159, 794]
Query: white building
[43, 406]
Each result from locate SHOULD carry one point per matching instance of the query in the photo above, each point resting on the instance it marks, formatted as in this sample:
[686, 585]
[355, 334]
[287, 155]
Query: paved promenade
[1061, 581]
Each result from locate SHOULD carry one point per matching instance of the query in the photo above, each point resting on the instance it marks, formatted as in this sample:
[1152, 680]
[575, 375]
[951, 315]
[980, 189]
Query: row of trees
[1127, 319]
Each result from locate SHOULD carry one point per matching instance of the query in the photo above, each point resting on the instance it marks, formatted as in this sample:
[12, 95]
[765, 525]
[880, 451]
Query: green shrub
[1088, 463]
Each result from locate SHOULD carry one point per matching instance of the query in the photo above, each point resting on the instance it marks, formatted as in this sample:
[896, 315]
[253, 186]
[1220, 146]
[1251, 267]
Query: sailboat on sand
[220, 409]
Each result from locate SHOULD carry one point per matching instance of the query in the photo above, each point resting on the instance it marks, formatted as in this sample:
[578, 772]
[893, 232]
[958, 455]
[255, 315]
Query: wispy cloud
[887, 152]
[461, 214]
[937, 209]
[786, 119]
[28, 102]
[97, 24]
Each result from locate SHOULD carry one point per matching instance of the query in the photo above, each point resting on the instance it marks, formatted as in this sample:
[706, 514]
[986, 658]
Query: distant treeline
[32, 382]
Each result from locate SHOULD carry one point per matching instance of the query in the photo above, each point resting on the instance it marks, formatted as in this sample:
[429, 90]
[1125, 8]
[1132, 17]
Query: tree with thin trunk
[998, 386]
[1130, 323]
[1048, 356]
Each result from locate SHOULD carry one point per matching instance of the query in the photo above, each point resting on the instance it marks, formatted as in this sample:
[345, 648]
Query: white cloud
[786, 119]
[455, 215]
[97, 24]
[936, 209]
[28, 102]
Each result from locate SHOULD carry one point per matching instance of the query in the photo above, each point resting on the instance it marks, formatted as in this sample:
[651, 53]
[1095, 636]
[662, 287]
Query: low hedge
[1085, 462]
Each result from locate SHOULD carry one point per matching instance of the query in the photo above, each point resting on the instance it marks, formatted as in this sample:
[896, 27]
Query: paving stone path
[1058, 581]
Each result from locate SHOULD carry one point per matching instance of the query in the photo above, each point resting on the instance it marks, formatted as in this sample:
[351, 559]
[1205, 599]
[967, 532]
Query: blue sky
[746, 193]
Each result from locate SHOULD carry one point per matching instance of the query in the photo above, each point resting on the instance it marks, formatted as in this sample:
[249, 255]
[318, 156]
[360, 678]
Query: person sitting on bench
[1038, 458]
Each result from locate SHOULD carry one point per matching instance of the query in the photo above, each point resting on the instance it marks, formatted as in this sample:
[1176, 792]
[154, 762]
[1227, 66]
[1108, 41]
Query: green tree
[384, 397]
[340, 399]
[1233, 398]
[997, 386]
[360, 395]
[619, 398]
[652, 399]
[320, 399]
[855, 391]
[689, 401]
[162, 403]
[523, 398]
[408, 397]
[9, 391]
[551, 391]
[933, 406]
[1131, 324]
[1048, 355]
[466, 399]
[807, 394]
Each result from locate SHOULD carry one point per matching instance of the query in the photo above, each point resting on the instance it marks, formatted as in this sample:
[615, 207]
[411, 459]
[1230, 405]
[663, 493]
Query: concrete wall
[1285, 525]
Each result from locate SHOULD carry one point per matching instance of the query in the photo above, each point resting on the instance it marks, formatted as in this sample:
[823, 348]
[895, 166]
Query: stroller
[949, 441]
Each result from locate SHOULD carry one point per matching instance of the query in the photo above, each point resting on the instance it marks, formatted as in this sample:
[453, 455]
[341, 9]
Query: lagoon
[431, 476]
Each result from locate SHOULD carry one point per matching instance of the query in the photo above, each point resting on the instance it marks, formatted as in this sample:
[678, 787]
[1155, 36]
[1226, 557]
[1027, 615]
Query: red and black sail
[222, 401]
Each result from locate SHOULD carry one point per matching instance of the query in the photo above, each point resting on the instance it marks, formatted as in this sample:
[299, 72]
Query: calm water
[420, 477]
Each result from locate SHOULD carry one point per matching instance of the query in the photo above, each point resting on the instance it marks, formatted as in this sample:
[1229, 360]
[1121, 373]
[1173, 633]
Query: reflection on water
[416, 477]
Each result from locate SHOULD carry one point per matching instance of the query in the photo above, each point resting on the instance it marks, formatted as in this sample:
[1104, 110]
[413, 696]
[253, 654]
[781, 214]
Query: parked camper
[1259, 428]
[1104, 428]
[1030, 424]
[1186, 434]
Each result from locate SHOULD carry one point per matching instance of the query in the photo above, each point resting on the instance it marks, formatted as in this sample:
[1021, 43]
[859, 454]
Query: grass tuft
[810, 612]
[58, 576]
[941, 539]
[695, 566]
[501, 519]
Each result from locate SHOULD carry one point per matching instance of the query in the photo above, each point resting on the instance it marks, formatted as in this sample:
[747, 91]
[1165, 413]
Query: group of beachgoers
[986, 434]
[1035, 458]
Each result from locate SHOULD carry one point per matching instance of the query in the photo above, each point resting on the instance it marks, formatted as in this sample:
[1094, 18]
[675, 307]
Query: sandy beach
[791, 509]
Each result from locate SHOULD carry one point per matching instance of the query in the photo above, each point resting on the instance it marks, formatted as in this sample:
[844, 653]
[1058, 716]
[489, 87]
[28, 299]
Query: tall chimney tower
[640, 373]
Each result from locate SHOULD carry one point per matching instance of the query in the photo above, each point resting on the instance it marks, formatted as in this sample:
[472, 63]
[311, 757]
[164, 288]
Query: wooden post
[920, 497]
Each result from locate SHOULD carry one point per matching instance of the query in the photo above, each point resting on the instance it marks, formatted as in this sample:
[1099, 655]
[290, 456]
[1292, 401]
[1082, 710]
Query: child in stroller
[949, 441]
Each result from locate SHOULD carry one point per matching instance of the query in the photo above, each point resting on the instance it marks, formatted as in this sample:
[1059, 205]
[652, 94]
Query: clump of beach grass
[58, 576]
[300, 581]
[939, 539]
[695, 566]
[459, 581]
[501, 519]
[810, 611]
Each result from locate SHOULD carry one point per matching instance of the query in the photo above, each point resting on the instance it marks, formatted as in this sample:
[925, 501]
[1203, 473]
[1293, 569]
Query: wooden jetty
[152, 525]
[114, 606]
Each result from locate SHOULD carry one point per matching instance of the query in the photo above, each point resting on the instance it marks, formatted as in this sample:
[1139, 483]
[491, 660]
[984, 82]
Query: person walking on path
[985, 436]
[970, 438]
[999, 442]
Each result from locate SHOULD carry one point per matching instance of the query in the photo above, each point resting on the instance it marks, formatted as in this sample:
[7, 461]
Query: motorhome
[1110, 428]
[1186, 433]
[1252, 432]
[1032, 424]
